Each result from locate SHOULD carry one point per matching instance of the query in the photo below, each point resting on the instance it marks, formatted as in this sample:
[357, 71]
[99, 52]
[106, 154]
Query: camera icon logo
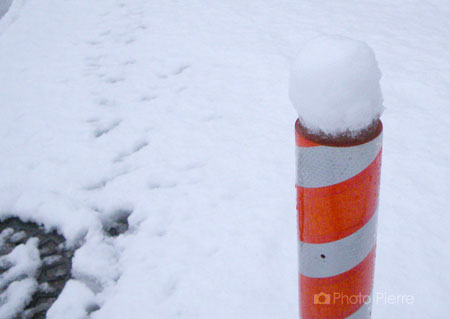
[322, 299]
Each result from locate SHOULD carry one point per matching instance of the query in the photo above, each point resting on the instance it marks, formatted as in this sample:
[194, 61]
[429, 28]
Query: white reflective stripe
[321, 166]
[363, 312]
[337, 257]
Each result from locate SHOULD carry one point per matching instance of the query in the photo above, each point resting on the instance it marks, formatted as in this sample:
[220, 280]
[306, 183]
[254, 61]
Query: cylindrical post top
[341, 140]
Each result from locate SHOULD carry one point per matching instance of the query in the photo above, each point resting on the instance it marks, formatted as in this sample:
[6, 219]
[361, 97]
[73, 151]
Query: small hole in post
[322, 256]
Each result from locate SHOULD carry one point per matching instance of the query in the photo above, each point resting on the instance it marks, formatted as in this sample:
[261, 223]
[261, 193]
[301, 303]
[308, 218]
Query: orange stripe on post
[331, 213]
[300, 140]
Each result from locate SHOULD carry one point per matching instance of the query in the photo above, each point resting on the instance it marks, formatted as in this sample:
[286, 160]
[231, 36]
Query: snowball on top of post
[335, 88]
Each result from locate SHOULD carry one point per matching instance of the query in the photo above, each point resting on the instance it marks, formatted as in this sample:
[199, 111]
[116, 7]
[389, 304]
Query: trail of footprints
[56, 258]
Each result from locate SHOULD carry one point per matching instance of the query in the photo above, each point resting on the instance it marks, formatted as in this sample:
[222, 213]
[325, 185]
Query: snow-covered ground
[177, 115]
[4, 6]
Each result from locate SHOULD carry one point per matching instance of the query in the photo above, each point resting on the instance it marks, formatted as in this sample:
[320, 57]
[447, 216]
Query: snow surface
[18, 294]
[17, 283]
[177, 115]
[12, 7]
[75, 302]
[334, 85]
[4, 6]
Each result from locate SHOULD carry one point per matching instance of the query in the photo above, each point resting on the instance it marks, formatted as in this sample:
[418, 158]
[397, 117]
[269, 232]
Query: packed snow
[335, 85]
[18, 283]
[75, 302]
[176, 117]
[16, 296]
[4, 7]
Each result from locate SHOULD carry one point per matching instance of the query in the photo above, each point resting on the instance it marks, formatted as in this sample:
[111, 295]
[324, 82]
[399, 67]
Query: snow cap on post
[335, 88]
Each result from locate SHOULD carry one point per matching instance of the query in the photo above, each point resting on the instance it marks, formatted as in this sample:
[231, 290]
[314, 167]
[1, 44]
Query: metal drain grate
[55, 269]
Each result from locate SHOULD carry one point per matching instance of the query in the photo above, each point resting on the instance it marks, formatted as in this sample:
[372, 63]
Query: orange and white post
[337, 204]
[337, 182]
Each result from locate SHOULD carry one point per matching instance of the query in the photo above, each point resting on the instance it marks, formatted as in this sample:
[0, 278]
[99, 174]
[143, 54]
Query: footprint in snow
[99, 132]
[136, 148]
[180, 69]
